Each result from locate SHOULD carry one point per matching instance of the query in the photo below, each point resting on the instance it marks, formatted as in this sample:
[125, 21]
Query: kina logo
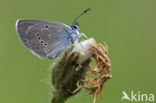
[137, 96]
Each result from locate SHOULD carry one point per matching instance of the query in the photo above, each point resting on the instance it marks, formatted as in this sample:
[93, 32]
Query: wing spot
[45, 44]
[38, 38]
[43, 30]
[41, 41]
[46, 26]
[37, 34]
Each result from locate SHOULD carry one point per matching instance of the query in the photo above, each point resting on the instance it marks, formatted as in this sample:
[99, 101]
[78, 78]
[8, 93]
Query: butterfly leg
[82, 34]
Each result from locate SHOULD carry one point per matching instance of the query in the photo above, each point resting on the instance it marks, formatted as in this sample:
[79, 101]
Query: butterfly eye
[75, 27]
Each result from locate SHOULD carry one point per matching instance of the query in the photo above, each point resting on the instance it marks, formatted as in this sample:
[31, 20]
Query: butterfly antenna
[81, 15]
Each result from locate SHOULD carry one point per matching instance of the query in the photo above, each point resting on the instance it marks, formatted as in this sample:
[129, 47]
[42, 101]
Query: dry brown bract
[99, 72]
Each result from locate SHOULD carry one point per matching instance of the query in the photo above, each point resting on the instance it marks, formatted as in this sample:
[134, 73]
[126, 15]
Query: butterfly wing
[21, 28]
[59, 49]
[46, 39]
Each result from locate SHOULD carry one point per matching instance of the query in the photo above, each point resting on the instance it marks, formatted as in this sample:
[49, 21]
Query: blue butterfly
[48, 39]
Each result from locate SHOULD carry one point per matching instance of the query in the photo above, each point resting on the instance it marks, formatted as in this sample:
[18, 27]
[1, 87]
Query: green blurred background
[127, 26]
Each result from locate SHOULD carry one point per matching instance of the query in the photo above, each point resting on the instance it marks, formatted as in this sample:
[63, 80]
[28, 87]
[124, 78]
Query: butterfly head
[75, 27]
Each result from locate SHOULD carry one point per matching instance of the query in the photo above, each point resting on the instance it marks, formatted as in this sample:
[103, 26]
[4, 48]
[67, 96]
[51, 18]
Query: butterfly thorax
[74, 36]
[75, 33]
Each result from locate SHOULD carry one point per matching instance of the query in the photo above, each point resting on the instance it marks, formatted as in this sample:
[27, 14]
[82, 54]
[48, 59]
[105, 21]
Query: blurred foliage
[127, 26]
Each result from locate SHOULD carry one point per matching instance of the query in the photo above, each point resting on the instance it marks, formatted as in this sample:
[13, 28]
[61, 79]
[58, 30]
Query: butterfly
[48, 39]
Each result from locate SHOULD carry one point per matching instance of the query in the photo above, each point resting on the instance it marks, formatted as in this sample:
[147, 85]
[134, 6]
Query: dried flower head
[99, 72]
[74, 71]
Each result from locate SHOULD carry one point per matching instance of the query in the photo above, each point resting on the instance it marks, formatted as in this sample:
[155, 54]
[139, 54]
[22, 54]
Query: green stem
[59, 99]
